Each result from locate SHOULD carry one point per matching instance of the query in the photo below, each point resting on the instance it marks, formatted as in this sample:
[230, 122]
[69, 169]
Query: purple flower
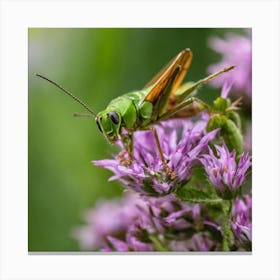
[235, 50]
[168, 212]
[181, 141]
[109, 217]
[132, 243]
[223, 172]
[140, 223]
[226, 89]
[242, 221]
[200, 242]
[158, 218]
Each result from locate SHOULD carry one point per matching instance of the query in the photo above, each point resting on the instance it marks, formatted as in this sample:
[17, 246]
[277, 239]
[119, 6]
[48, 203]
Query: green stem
[202, 200]
[226, 226]
[158, 244]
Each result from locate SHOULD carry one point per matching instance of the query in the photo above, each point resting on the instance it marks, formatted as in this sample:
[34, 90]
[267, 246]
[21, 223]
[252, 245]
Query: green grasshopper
[162, 98]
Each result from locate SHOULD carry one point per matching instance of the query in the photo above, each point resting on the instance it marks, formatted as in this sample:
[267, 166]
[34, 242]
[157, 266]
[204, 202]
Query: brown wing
[160, 73]
[164, 77]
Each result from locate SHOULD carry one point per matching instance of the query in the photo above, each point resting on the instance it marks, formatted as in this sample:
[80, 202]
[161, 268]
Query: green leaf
[198, 189]
[232, 136]
[230, 131]
[194, 195]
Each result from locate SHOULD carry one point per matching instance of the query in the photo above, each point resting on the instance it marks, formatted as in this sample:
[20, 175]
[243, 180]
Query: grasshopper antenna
[68, 93]
[83, 115]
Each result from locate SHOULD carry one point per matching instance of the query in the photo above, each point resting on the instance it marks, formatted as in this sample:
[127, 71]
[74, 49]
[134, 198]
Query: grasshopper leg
[125, 156]
[166, 167]
[201, 106]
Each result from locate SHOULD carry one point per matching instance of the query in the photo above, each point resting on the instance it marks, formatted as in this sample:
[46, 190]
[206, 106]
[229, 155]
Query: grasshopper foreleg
[125, 156]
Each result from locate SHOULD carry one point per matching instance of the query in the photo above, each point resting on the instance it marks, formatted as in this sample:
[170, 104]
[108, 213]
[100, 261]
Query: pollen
[215, 171]
[225, 168]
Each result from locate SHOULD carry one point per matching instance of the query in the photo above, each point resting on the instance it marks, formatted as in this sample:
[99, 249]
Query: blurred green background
[96, 65]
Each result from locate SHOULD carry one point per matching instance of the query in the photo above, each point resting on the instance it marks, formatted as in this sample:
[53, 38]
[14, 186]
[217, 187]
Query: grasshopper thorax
[109, 123]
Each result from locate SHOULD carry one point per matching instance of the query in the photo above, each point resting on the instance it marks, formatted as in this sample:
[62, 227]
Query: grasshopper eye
[114, 117]
[98, 125]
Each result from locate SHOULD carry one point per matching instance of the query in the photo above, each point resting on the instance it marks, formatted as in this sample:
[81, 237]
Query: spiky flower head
[181, 142]
[224, 172]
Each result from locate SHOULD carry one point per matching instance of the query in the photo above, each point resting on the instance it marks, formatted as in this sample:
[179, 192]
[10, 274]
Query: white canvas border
[17, 16]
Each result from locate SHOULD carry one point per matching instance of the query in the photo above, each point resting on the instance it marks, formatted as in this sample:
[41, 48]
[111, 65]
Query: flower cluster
[182, 142]
[162, 224]
[150, 217]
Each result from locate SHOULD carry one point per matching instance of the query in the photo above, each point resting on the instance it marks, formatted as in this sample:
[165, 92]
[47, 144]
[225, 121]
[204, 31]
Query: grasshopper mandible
[162, 98]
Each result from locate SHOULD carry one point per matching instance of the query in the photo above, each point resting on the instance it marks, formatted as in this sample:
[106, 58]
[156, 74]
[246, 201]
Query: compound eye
[98, 125]
[114, 117]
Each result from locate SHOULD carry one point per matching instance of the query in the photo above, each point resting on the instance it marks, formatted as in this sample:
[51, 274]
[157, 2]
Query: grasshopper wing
[167, 81]
[182, 60]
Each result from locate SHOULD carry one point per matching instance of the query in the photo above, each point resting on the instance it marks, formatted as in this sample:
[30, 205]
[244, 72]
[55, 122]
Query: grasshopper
[162, 98]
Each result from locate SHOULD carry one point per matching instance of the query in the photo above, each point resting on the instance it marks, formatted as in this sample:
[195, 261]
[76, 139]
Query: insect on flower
[162, 98]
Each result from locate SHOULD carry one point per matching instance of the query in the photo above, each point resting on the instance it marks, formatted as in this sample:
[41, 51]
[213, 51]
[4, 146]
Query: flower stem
[157, 243]
[226, 226]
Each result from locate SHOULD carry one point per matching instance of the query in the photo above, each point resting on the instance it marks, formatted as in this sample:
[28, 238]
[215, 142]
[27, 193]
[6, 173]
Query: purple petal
[119, 245]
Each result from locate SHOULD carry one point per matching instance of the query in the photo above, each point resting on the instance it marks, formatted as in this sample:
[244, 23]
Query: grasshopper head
[109, 123]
